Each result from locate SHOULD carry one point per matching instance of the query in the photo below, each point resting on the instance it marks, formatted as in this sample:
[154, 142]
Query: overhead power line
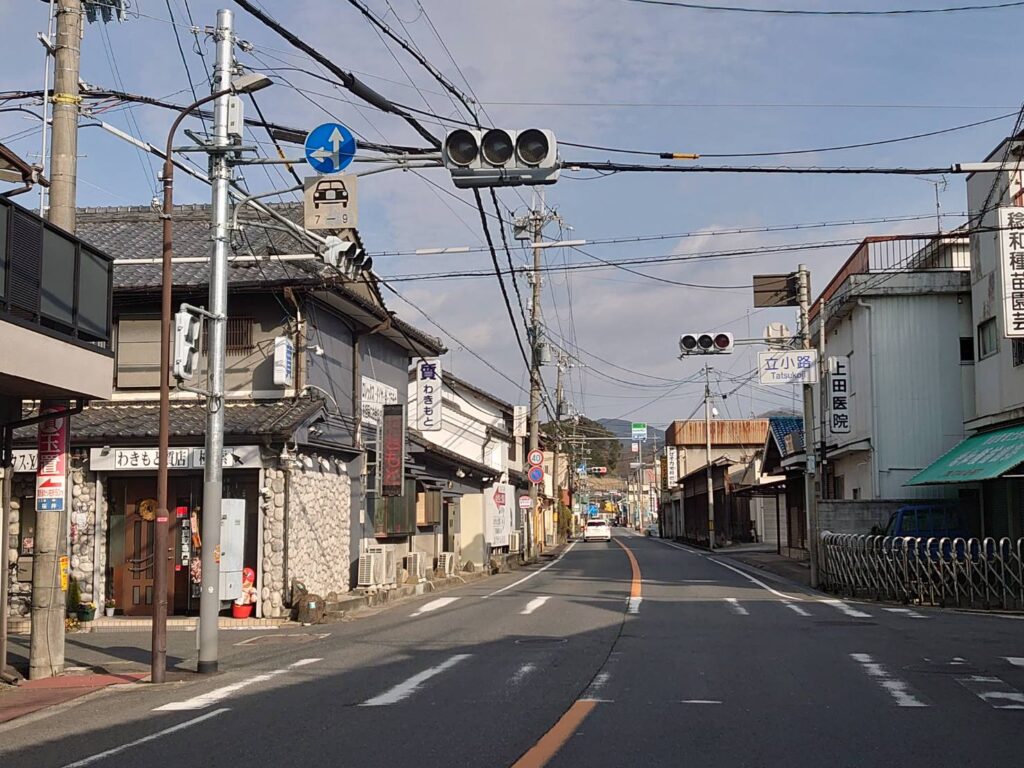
[348, 80]
[841, 170]
[810, 12]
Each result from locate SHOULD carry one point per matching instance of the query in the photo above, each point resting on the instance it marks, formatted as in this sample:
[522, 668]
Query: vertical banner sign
[839, 395]
[52, 469]
[428, 394]
[1011, 267]
[284, 362]
[519, 427]
[672, 464]
[392, 450]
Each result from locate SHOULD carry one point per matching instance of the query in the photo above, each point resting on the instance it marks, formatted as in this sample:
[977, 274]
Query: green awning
[979, 457]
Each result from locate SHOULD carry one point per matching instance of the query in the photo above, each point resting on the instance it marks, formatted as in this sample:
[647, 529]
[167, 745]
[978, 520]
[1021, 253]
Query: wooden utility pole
[66, 106]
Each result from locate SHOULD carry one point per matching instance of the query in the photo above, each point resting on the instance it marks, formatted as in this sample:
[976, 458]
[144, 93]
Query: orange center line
[541, 753]
[636, 587]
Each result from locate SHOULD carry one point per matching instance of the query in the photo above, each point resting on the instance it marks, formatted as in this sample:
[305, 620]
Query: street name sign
[330, 148]
[795, 366]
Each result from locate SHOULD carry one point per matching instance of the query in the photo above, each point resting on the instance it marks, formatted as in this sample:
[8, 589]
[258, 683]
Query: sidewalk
[767, 559]
[34, 695]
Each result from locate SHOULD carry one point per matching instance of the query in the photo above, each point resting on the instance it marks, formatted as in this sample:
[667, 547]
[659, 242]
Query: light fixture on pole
[246, 83]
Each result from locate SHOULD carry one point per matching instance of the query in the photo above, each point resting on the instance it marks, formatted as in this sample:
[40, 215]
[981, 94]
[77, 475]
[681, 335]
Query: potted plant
[86, 611]
[109, 605]
[74, 599]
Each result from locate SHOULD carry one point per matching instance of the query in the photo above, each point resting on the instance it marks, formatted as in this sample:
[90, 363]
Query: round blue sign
[330, 148]
[536, 474]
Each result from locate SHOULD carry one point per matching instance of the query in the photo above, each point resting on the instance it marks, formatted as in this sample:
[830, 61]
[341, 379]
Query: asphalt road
[580, 664]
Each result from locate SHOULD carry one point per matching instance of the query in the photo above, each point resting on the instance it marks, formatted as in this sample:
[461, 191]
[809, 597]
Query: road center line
[540, 754]
[407, 688]
[152, 737]
[535, 573]
[636, 584]
[534, 604]
[433, 605]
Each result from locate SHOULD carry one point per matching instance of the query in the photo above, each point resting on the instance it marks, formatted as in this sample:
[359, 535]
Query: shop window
[988, 338]
[1018, 352]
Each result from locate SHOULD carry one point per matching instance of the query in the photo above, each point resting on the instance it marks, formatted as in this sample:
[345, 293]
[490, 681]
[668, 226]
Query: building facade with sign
[983, 469]
[898, 365]
[299, 447]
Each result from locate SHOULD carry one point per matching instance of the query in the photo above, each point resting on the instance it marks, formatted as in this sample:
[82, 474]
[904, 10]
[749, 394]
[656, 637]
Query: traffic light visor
[532, 146]
[460, 147]
[496, 147]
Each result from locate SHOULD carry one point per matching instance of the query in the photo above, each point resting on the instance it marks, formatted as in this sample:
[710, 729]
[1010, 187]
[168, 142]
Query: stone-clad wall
[306, 512]
[20, 592]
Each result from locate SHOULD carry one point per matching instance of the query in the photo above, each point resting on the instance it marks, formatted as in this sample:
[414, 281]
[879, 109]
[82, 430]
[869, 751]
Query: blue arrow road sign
[330, 148]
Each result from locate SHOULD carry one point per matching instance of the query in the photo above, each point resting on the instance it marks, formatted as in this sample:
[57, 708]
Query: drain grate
[283, 639]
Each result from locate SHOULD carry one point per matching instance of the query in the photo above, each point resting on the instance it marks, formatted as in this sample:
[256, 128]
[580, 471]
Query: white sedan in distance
[597, 530]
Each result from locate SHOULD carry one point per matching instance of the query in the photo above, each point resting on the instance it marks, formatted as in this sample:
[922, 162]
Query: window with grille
[239, 336]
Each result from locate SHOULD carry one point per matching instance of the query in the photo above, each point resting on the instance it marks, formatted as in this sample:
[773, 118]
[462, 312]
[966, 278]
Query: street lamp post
[244, 84]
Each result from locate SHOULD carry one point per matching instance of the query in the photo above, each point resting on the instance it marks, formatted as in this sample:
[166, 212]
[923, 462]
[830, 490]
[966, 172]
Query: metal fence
[966, 573]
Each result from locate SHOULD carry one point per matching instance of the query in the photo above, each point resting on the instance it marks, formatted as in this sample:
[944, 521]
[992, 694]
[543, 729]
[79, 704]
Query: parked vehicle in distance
[651, 530]
[597, 530]
[927, 521]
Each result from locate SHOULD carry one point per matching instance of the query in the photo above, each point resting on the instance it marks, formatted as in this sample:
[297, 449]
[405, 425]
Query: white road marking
[303, 663]
[534, 604]
[433, 605]
[406, 689]
[900, 690]
[839, 605]
[699, 701]
[735, 605]
[152, 737]
[633, 605]
[906, 612]
[796, 608]
[522, 673]
[535, 573]
[599, 682]
[993, 691]
[218, 694]
[757, 581]
[1017, 661]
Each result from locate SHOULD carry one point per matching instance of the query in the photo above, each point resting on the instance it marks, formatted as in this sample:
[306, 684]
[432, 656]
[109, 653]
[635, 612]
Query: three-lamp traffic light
[497, 157]
[347, 257]
[706, 343]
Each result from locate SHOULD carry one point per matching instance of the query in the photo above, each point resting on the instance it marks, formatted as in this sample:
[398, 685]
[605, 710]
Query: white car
[597, 530]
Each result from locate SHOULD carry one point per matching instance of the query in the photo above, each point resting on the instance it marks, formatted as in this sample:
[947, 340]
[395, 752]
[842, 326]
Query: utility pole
[810, 500]
[66, 102]
[707, 438]
[558, 435]
[536, 221]
[46, 650]
[213, 488]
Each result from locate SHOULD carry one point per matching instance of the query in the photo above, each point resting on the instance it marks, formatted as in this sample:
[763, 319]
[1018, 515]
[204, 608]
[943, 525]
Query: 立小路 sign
[795, 366]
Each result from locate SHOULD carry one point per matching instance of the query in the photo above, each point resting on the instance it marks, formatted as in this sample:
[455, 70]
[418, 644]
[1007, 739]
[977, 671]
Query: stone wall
[20, 593]
[306, 516]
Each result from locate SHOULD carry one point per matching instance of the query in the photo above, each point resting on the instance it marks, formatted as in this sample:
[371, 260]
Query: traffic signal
[186, 345]
[498, 157]
[347, 257]
[706, 343]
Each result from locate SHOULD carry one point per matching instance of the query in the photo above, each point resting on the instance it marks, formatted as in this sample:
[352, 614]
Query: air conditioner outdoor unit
[446, 563]
[370, 569]
[390, 566]
[415, 565]
[515, 541]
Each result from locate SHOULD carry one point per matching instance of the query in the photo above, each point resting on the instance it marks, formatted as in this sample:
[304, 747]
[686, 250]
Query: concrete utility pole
[707, 438]
[66, 104]
[46, 649]
[213, 488]
[810, 500]
[536, 221]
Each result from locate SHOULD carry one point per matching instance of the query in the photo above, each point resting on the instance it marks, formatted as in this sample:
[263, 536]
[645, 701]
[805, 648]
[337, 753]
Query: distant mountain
[622, 429]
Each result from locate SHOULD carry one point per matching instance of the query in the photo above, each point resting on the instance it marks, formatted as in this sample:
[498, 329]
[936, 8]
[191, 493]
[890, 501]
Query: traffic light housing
[706, 343]
[499, 157]
[187, 327]
[347, 257]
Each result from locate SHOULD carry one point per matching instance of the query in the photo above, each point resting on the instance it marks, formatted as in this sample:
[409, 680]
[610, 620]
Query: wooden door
[137, 581]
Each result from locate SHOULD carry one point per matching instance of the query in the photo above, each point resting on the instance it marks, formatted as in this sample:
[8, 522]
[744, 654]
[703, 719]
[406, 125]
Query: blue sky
[605, 72]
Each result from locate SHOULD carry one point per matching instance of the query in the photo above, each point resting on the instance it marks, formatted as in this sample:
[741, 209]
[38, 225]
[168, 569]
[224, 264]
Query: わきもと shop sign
[428, 394]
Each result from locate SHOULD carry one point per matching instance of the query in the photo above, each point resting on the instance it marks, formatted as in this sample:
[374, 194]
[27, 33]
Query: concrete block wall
[846, 516]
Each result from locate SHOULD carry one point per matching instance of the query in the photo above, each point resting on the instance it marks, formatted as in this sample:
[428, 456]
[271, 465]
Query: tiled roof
[780, 426]
[135, 420]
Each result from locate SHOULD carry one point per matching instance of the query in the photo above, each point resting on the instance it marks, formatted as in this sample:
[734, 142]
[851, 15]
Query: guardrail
[950, 572]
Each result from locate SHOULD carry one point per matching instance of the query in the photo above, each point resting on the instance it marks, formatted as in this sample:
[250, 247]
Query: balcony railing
[52, 281]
